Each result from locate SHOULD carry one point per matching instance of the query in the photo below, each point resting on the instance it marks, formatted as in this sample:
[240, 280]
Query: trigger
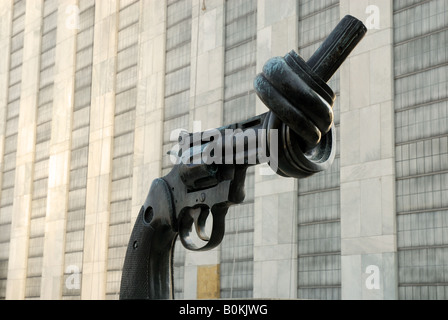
[200, 216]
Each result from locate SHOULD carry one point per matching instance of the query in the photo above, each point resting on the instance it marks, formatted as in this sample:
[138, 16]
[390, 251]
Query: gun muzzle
[305, 152]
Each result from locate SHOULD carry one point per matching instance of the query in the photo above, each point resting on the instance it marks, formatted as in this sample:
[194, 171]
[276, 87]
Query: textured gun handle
[147, 269]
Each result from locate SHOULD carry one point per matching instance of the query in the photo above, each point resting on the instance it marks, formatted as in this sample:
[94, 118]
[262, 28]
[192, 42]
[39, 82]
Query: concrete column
[5, 43]
[18, 253]
[100, 151]
[368, 232]
[59, 163]
[206, 108]
[275, 243]
[207, 63]
[150, 103]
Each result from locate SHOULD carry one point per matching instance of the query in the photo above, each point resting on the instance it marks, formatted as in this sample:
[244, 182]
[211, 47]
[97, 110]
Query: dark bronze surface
[179, 205]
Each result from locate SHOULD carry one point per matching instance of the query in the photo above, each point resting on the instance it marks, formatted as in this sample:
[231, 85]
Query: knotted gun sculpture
[296, 138]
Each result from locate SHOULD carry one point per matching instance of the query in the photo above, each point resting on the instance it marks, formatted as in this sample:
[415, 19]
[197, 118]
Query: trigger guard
[218, 230]
[200, 224]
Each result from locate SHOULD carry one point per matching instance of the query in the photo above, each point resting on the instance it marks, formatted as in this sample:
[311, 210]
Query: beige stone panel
[207, 65]
[59, 162]
[150, 102]
[371, 218]
[100, 151]
[150, 98]
[53, 260]
[190, 281]
[209, 25]
[6, 15]
[63, 101]
[153, 21]
[212, 96]
[370, 133]
[100, 148]
[98, 202]
[360, 81]
[95, 259]
[267, 231]
[27, 122]
[369, 245]
[151, 136]
[5, 33]
[367, 170]
[275, 247]
[381, 74]
[210, 116]
[368, 226]
[147, 160]
[33, 25]
[15, 289]
[274, 252]
[283, 286]
[351, 280]
[350, 152]
[25, 152]
[272, 186]
[388, 203]
[351, 224]
[387, 130]
[210, 71]
[105, 21]
[65, 23]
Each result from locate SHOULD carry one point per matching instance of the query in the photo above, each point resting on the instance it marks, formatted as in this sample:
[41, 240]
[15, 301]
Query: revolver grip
[147, 270]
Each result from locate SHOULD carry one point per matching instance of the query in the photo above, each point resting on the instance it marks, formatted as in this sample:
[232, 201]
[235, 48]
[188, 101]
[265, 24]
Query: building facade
[92, 94]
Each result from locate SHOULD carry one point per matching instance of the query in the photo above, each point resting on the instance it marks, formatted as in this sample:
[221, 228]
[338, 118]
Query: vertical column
[147, 164]
[6, 16]
[237, 254]
[76, 208]
[150, 103]
[176, 100]
[123, 142]
[177, 74]
[41, 170]
[60, 149]
[275, 243]
[148, 143]
[207, 63]
[206, 102]
[368, 231]
[21, 212]
[319, 242]
[100, 151]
